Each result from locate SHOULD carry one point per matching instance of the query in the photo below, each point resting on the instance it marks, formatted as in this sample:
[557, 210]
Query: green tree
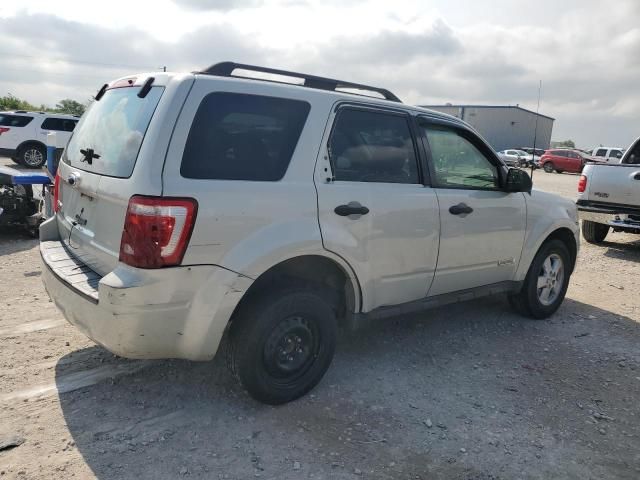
[70, 106]
[10, 102]
[567, 143]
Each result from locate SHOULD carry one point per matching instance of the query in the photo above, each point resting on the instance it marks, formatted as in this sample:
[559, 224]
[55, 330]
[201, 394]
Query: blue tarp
[13, 176]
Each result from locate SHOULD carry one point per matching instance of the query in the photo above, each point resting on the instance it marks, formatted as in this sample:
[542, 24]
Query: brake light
[157, 231]
[4, 130]
[57, 202]
[582, 184]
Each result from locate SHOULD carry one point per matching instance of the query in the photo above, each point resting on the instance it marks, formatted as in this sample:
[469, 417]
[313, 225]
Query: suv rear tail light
[582, 184]
[4, 130]
[57, 203]
[157, 231]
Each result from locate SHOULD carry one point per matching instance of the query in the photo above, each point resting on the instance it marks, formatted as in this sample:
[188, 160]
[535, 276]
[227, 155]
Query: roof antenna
[535, 133]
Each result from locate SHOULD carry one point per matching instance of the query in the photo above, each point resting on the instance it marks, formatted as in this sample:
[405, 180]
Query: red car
[562, 161]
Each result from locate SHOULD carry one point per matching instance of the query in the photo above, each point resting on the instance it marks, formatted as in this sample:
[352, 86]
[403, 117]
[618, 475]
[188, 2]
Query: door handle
[353, 208]
[460, 209]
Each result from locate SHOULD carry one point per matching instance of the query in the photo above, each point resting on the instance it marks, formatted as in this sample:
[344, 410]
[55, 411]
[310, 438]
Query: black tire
[559, 171]
[32, 156]
[528, 301]
[282, 343]
[548, 167]
[594, 232]
[16, 160]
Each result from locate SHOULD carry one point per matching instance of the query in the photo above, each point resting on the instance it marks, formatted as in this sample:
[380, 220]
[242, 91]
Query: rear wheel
[546, 282]
[594, 232]
[548, 167]
[282, 343]
[32, 156]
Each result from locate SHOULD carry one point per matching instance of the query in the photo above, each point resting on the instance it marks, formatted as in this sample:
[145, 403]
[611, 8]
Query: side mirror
[518, 181]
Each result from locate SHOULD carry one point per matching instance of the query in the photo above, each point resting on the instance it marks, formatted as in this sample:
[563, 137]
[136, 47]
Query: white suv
[23, 135]
[195, 205]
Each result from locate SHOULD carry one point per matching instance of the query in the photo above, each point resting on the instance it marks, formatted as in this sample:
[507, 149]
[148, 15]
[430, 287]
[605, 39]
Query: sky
[586, 53]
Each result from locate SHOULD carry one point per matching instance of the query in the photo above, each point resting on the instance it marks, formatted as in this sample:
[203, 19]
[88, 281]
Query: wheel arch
[27, 143]
[314, 269]
[567, 237]
[537, 238]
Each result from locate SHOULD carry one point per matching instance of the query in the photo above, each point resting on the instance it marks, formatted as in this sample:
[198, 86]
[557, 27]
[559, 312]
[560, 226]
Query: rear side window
[108, 137]
[616, 154]
[59, 124]
[243, 137]
[602, 152]
[14, 120]
[370, 146]
[560, 153]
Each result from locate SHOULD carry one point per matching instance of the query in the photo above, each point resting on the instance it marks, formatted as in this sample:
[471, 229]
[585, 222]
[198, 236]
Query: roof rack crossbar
[226, 69]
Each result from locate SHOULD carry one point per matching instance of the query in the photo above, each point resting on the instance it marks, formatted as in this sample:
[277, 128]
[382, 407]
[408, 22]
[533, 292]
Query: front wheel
[281, 344]
[594, 232]
[548, 167]
[546, 282]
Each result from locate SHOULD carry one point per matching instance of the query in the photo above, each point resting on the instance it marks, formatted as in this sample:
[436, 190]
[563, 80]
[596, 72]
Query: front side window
[56, 124]
[371, 146]
[243, 137]
[457, 162]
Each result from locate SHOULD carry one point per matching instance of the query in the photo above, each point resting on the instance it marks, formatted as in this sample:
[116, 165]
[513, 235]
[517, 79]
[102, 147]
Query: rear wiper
[89, 155]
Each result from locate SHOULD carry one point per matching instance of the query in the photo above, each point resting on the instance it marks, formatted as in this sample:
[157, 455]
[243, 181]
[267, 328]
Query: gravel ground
[469, 392]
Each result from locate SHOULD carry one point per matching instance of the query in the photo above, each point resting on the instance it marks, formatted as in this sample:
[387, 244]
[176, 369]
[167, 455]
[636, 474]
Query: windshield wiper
[89, 155]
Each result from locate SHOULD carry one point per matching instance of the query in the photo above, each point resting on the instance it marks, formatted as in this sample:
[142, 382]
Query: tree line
[67, 105]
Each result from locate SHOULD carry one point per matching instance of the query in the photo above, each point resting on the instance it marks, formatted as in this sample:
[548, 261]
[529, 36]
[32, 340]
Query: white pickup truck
[609, 196]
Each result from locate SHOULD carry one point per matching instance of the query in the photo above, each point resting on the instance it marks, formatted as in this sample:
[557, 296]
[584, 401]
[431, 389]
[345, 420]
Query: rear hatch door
[96, 173]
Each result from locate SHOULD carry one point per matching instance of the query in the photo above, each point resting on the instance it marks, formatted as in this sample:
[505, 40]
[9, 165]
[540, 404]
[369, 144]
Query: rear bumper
[621, 217]
[179, 312]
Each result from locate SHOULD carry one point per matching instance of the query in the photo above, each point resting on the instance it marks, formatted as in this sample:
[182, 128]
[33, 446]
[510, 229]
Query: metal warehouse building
[503, 126]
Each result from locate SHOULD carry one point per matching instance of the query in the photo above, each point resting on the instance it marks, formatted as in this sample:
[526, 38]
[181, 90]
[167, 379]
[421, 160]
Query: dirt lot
[470, 392]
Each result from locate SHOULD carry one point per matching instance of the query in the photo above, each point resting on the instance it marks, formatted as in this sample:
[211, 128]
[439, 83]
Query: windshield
[112, 131]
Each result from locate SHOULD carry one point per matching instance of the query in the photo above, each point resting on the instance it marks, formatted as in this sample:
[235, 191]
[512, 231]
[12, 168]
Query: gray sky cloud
[448, 51]
[221, 5]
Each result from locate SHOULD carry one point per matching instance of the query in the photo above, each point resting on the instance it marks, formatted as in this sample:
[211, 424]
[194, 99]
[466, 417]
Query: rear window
[59, 124]
[14, 120]
[112, 129]
[243, 137]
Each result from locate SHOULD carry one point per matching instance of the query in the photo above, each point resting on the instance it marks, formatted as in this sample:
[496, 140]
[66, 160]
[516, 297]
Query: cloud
[219, 5]
[589, 74]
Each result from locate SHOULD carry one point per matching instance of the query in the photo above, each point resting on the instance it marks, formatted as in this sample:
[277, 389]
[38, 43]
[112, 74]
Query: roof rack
[226, 69]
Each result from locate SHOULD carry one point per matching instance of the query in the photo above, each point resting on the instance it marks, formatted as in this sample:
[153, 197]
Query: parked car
[563, 160]
[607, 154]
[23, 135]
[537, 152]
[513, 158]
[273, 213]
[609, 196]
